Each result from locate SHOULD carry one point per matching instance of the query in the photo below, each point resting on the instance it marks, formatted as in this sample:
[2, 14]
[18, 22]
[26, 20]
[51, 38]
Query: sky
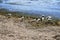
[49, 6]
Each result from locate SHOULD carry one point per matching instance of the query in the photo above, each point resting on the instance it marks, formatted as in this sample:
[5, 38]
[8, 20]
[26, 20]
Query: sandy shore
[12, 29]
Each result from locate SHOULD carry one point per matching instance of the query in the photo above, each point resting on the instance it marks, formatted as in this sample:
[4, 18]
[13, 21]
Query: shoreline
[55, 22]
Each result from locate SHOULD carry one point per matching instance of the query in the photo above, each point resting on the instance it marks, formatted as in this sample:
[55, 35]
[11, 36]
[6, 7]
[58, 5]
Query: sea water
[33, 6]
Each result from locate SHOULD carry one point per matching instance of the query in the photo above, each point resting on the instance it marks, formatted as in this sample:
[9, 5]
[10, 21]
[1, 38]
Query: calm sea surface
[52, 8]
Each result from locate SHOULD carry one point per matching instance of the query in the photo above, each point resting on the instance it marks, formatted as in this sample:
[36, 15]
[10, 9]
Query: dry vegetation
[12, 28]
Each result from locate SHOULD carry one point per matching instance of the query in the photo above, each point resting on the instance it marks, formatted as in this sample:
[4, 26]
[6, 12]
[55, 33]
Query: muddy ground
[12, 29]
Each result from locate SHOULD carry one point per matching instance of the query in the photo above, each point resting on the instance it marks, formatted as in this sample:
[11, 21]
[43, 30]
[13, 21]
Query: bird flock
[42, 18]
